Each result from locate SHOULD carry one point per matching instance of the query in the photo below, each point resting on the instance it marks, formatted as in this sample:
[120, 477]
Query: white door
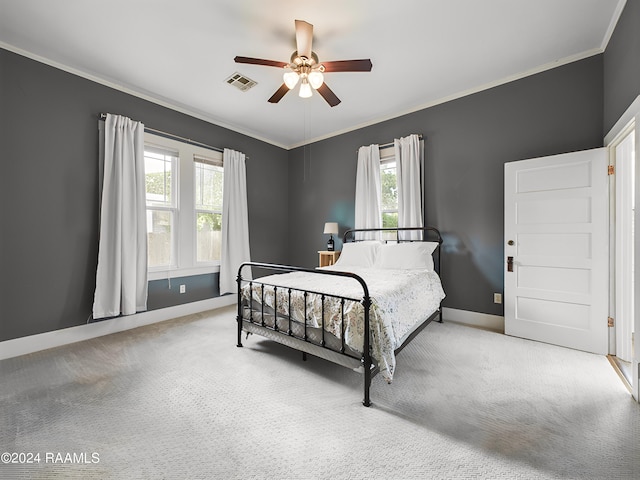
[556, 250]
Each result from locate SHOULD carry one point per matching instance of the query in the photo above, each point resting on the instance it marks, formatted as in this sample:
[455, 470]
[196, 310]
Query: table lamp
[330, 228]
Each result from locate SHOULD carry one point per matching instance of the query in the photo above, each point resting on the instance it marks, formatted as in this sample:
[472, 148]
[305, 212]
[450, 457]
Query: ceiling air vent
[241, 82]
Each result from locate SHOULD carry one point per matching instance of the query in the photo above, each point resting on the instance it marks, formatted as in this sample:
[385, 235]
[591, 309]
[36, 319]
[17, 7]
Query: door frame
[632, 114]
[619, 232]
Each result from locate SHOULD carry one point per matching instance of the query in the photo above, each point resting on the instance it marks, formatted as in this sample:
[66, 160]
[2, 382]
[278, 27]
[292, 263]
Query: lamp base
[330, 245]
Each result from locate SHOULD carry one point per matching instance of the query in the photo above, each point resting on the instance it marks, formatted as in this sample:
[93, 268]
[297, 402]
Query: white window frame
[387, 155]
[184, 230]
[173, 208]
[382, 164]
[215, 160]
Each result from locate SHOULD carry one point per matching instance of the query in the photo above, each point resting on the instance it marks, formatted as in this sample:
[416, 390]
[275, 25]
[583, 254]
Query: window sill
[182, 272]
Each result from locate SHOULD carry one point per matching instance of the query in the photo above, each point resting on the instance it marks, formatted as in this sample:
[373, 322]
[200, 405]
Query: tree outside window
[389, 191]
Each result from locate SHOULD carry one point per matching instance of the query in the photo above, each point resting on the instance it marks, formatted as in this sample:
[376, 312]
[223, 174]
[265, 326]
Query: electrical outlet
[497, 298]
[183, 288]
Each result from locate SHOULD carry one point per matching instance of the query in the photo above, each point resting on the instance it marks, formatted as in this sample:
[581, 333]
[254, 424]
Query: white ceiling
[179, 52]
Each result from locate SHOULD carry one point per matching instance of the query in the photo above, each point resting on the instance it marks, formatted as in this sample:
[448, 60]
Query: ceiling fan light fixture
[305, 88]
[290, 79]
[305, 68]
[316, 79]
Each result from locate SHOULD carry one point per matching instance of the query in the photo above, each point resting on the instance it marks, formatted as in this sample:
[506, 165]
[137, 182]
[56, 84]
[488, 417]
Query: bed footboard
[269, 322]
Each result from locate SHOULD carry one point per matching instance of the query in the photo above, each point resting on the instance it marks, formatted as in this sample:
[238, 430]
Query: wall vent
[241, 82]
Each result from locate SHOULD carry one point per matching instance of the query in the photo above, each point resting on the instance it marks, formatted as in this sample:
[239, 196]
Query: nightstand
[327, 258]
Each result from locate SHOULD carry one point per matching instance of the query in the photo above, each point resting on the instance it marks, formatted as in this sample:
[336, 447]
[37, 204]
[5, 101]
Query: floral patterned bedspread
[400, 299]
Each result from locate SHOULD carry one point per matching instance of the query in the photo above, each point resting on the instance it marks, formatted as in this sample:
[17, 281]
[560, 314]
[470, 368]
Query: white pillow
[359, 254]
[407, 256]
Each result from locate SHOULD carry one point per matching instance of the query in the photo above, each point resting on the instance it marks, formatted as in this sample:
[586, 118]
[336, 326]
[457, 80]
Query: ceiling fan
[305, 67]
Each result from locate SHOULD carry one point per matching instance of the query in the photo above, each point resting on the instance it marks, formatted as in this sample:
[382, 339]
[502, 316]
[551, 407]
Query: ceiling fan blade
[276, 97]
[260, 61]
[364, 65]
[328, 95]
[304, 38]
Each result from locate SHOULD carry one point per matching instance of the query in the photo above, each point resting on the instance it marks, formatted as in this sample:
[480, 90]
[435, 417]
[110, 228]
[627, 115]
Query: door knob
[511, 243]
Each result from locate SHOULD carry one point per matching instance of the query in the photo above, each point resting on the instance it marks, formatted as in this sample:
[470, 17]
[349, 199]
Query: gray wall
[48, 180]
[467, 143]
[166, 293]
[622, 65]
[49, 194]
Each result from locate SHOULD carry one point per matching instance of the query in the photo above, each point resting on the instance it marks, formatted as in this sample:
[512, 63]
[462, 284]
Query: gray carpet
[179, 400]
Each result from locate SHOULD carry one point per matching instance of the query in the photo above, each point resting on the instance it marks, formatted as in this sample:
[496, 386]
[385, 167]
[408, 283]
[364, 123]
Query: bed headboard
[429, 234]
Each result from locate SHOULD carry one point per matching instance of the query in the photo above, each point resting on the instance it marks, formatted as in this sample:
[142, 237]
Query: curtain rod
[390, 144]
[171, 136]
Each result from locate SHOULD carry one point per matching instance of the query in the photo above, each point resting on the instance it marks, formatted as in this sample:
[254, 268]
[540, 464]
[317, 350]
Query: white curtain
[235, 221]
[121, 278]
[368, 191]
[409, 154]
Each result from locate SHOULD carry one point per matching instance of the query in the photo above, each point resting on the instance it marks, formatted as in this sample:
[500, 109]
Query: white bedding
[400, 299]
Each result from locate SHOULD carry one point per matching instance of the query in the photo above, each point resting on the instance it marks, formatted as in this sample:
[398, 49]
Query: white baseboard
[57, 338]
[482, 320]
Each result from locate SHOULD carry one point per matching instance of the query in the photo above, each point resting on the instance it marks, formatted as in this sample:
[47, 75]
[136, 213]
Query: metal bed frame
[304, 343]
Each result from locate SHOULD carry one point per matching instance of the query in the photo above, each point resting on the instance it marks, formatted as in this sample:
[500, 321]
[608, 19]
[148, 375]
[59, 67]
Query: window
[160, 167]
[184, 207]
[208, 201]
[389, 192]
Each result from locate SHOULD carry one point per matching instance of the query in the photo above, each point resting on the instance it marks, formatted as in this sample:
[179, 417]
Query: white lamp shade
[290, 79]
[305, 88]
[331, 228]
[315, 79]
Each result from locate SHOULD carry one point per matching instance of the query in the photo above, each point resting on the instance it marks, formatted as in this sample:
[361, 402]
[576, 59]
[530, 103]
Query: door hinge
[610, 322]
[611, 170]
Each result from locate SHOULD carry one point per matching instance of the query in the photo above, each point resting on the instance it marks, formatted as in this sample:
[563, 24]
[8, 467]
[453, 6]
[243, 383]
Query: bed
[390, 289]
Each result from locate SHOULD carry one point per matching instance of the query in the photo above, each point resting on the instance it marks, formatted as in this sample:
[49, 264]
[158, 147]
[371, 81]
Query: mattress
[401, 300]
